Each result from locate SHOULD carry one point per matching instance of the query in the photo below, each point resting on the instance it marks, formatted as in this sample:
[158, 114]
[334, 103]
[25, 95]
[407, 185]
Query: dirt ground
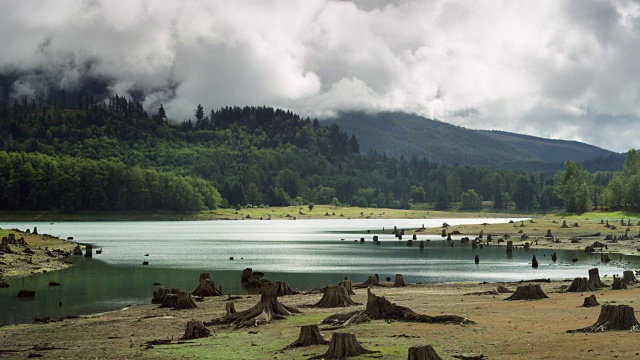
[503, 329]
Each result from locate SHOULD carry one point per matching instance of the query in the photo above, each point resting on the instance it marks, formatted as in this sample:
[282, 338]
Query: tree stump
[613, 317]
[554, 257]
[477, 259]
[503, 290]
[444, 233]
[548, 235]
[509, 246]
[580, 285]
[268, 309]
[348, 286]
[424, 352]
[309, 335]
[606, 259]
[282, 289]
[195, 330]
[169, 301]
[534, 262]
[77, 250]
[528, 292]
[335, 296]
[23, 293]
[88, 251]
[564, 224]
[371, 281]
[618, 284]
[160, 293]
[629, 277]
[343, 345]
[184, 301]
[246, 274]
[206, 287]
[421, 244]
[594, 279]
[399, 282]
[590, 301]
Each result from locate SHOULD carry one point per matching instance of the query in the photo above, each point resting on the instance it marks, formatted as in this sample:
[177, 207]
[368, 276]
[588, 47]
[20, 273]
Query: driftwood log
[282, 289]
[594, 279]
[399, 282]
[424, 352]
[613, 317]
[184, 301]
[580, 285]
[335, 296]
[629, 277]
[590, 301]
[528, 292]
[206, 287]
[195, 330]
[618, 284]
[309, 335]
[343, 345]
[346, 283]
[268, 309]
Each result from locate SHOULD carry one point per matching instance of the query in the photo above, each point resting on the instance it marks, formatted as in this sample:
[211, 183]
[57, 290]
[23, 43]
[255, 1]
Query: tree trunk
[580, 285]
[342, 346]
[425, 352]
[590, 301]
[629, 277]
[528, 292]
[282, 289]
[618, 284]
[160, 293]
[169, 301]
[594, 279]
[371, 281]
[309, 335]
[335, 296]
[613, 317]
[399, 281]
[348, 286]
[195, 330]
[184, 301]
[503, 290]
[509, 246]
[268, 309]
[206, 287]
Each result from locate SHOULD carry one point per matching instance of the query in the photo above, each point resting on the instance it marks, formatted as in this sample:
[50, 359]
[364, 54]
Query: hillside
[399, 134]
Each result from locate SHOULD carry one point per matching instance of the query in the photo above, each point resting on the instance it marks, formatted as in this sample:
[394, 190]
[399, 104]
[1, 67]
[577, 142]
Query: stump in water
[509, 246]
[594, 279]
[206, 287]
[580, 285]
[425, 352]
[554, 257]
[534, 262]
[309, 335]
[503, 290]
[268, 309]
[444, 233]
[371, 281]
[606, 259]
[335, 296]
[477, 259]
[618, 284]
[399, 282]
[348, 286]
[88, 251]
[160, 293]
[195, 330]
[184, 301]
[342, 346]
[613, 317]
[590, 301]
[528, 292]
[282, 289]
[629, 277]
[26, 293]
[77, 250]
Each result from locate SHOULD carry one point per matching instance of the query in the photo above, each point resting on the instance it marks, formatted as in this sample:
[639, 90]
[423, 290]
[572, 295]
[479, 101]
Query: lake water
[306, 253]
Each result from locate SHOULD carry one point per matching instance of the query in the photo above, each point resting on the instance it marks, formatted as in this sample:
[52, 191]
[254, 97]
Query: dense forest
[81, 154]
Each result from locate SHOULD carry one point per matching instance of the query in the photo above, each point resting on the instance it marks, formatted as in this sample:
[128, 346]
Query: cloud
[560, 69]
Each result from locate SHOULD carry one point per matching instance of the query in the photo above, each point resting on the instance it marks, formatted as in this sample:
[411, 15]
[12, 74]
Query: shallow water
[306, 253]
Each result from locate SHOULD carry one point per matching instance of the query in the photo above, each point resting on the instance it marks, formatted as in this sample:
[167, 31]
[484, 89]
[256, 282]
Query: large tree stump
[246, 274]
[88, 251]
[618, 284]
[580, 285]
[335, 296]
[613, 317]
[548, 235]
[594, 279]
[268, 309]
[424, 352]
[629, 277]
[195, 330]
[346, 283]
[160, 293]
[528, 292]
[590, 301]
[343, 345]
[309, 335]
[184, 301]
[169, 301]
[371, 281]
[77, 250]
[206, 287]
[282, 289]
[399, 282]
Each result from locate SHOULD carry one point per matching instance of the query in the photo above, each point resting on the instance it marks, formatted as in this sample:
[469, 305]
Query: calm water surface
[306, 253]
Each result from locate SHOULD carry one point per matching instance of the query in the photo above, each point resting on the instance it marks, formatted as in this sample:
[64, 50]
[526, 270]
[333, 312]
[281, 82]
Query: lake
[306, 253]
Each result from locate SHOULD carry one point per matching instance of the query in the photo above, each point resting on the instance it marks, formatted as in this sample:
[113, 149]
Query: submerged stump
[309, 335]
[613, 317]
[195, 330]
[343, 345]
[424, 352]
[534, 262]
[23, 293]
[528, 292]
[580, 285]
[590, 301]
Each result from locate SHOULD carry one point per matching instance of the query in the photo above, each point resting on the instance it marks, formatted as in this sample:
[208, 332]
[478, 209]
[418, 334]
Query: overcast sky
[561, 69]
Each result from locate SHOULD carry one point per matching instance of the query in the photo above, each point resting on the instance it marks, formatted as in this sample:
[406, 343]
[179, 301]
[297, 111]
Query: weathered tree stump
[590, 301]
[399, 282]
[309, 335]
[503, 290]
[206, 287]
[343, 345]
[509, 246]
[594, 279]
[88, 251]
[4, 245]
[35, 230]
[528, 292]
[444, 233]
[606, 259]
[629, 277]
[613, 317]
[346, 283]
[618, 284]
[564, 224]
[548, 235]
[169, 301]
[335, 296]
[371, 281]
[246, 274]
[580, 285]
[534, 262]
[195, 330]
[184, 301]
[282, 289]
[77, 250]
[23, 293]
[424, 352]
[268, 309]
[554, 257]
[160, 293]
[421, 244]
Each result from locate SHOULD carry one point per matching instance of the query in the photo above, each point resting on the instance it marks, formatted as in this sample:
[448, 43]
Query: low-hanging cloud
[560, 69]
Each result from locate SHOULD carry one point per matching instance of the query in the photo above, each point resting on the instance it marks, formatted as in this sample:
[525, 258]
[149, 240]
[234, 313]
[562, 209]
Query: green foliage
[522, 194]
[311, 206]
[575, 186]
[471, 200]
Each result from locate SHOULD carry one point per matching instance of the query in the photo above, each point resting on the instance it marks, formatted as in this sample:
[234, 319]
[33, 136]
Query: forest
[75, 154]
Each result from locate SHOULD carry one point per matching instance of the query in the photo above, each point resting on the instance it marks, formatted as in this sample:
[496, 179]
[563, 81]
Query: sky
[560, 69]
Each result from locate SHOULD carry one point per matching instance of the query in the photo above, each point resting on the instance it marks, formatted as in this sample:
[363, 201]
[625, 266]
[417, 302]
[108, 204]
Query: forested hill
[400, 134]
